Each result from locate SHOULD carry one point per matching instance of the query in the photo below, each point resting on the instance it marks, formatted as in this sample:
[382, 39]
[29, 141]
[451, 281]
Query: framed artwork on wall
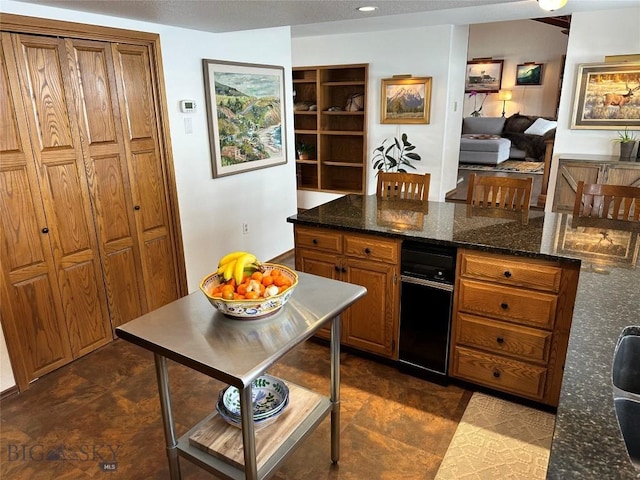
[245, 112]
[483, 76]
[405, 100]
[607, 96]
[529, 74]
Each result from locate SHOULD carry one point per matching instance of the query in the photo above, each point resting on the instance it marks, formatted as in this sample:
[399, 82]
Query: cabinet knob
[137, 207]
[45, 230]
[504, 306]
[500, 340]
[336, 268]
[314, 241]
[496, 374]
[344, 270]
[367, 250]
[507, 274]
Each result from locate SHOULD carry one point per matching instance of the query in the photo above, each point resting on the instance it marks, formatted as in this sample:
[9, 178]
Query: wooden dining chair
[408, 186]
[615, 202]
[509, 193]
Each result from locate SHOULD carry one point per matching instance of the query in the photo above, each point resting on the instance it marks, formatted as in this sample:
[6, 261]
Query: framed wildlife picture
[607, 96]
[245, 112]
[483, 76]
[529, 74]
[405, 100]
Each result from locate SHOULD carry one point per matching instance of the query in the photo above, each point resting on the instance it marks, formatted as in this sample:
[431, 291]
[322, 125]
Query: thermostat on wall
[187, 106]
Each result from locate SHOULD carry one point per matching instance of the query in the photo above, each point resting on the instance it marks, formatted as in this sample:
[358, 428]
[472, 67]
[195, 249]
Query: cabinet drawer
[499, 372]
[527, 307]
[372, 248]
[519, 273]
[326, 240]
[504, 338]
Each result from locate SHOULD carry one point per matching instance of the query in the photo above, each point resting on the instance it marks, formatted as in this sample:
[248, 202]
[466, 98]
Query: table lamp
[505, 96]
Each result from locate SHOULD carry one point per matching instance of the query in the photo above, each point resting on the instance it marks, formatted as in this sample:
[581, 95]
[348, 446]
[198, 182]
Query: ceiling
[317, 17]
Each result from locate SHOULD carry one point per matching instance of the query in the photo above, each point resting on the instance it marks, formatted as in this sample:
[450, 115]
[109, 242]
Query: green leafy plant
[626, 136]
[393, 155]
[305, 150]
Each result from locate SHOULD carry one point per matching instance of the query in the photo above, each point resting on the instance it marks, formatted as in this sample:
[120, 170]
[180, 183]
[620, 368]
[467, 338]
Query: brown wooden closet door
[32, 316]
[139, 107]
[44, 78]
[96, 98]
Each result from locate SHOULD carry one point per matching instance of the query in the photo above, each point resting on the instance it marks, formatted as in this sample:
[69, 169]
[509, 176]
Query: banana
[241, 262]
[229, 268]
[229, 257]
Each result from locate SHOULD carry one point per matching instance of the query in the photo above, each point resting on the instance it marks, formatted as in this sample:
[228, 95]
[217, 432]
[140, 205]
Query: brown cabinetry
[591, 169]
[511, 324]
[372, 323]
[335, 137]
[89, 235]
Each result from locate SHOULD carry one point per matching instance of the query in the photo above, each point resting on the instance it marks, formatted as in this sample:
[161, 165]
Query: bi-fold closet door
[87, 242]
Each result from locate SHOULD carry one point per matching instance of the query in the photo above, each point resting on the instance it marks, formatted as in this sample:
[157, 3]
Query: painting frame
[529, 73]
[483, 76]
[244, 143]
[419, 110]
[599, 93]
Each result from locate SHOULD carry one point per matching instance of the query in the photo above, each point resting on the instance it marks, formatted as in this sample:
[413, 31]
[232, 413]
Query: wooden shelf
[339, 136]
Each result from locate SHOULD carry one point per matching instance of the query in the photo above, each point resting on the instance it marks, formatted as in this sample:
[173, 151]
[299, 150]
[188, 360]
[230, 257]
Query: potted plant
[627, 141]
[393, 155]
[305, 150]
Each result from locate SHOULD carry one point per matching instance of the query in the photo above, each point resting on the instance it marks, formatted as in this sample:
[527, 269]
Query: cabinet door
[371, 323]
[569, 174]
[55, 140]
[139, 111]
[32, 315]
[321, 264]
[96, 99]
[623, 175]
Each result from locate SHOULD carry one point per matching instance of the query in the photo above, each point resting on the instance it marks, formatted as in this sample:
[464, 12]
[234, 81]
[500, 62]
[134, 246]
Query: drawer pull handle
[496, 374]
[314, 241]
[507, 274]
[500, 340]
[504, 306]
[336, 268]
[367, 250]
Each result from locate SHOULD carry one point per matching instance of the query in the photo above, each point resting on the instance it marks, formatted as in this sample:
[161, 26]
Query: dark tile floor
[104, 408]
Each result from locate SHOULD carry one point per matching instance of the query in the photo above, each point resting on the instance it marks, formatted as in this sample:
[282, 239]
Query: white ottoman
[484, 149]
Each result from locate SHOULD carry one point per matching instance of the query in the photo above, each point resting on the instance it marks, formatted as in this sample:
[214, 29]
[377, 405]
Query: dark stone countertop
[587, 442]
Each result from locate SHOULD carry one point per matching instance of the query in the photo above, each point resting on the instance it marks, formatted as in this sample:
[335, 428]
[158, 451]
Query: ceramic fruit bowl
[249, 309]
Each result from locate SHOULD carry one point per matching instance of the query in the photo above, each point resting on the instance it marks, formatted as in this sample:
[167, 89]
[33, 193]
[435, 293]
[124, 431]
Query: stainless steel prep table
[191, 332]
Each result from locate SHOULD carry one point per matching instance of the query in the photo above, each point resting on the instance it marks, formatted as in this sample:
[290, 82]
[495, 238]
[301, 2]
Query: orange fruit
[251, 295]
[256, 276]
[242, 289]
[228, 295]
[267, 280]
[275, 273]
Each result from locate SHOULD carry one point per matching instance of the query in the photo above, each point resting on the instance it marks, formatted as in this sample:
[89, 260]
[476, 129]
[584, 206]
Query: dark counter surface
[587, 442]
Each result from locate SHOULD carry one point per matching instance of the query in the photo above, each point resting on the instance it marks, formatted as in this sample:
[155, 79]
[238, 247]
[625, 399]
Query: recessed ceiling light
[367, 9]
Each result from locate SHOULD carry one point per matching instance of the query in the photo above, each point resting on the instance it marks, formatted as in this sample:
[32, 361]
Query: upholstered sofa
[492, 140]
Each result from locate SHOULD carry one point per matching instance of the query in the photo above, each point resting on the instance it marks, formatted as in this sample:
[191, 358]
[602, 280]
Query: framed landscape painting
[529, 74]
[245, 112]
[483, 76]
[607, 96]
[406, 100]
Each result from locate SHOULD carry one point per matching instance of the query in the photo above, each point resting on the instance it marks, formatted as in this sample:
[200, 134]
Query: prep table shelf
[191, 332]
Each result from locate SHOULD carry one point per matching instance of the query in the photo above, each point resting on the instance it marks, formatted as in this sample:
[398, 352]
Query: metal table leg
[248, 434]
[162, 376]
[336, 325]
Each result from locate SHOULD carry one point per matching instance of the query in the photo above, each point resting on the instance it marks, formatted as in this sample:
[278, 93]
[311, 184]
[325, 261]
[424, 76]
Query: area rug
[496, 439]
[518, 166]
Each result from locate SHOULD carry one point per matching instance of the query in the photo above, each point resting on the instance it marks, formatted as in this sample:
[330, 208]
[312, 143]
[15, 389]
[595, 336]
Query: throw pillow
[541, 126]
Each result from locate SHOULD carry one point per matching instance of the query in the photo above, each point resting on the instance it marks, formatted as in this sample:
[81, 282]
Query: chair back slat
[616, 202]
[508, 193]
[409, 186]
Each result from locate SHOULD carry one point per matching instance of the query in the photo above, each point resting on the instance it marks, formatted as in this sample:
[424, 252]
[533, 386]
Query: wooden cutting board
[224, 441]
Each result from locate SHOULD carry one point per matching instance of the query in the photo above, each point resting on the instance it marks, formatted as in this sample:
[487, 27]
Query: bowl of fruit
[244, 288]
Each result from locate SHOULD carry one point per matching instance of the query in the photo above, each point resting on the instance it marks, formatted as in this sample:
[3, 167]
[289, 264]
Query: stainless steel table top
[192, 332]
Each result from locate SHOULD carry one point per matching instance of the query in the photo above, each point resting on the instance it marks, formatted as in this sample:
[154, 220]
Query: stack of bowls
[270, 397]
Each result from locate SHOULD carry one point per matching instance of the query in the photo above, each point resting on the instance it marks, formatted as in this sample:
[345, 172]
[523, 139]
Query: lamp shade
[551, 5]
[504, 95]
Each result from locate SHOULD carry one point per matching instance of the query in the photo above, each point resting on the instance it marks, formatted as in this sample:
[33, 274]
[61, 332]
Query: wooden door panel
[150, 191]
[158, 272]
[134, 63]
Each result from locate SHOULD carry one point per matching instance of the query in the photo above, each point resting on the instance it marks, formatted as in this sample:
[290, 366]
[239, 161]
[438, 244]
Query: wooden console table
[191, 332]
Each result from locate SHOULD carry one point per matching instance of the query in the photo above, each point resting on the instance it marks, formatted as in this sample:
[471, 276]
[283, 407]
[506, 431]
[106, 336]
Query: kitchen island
[587, 442]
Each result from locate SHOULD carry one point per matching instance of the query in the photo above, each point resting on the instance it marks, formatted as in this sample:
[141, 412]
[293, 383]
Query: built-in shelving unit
[337, 161]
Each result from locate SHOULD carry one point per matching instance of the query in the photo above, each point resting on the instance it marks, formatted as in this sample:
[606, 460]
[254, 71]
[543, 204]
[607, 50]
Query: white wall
[421, 52]
[518, 42]
[594, 35]
[211, 210]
